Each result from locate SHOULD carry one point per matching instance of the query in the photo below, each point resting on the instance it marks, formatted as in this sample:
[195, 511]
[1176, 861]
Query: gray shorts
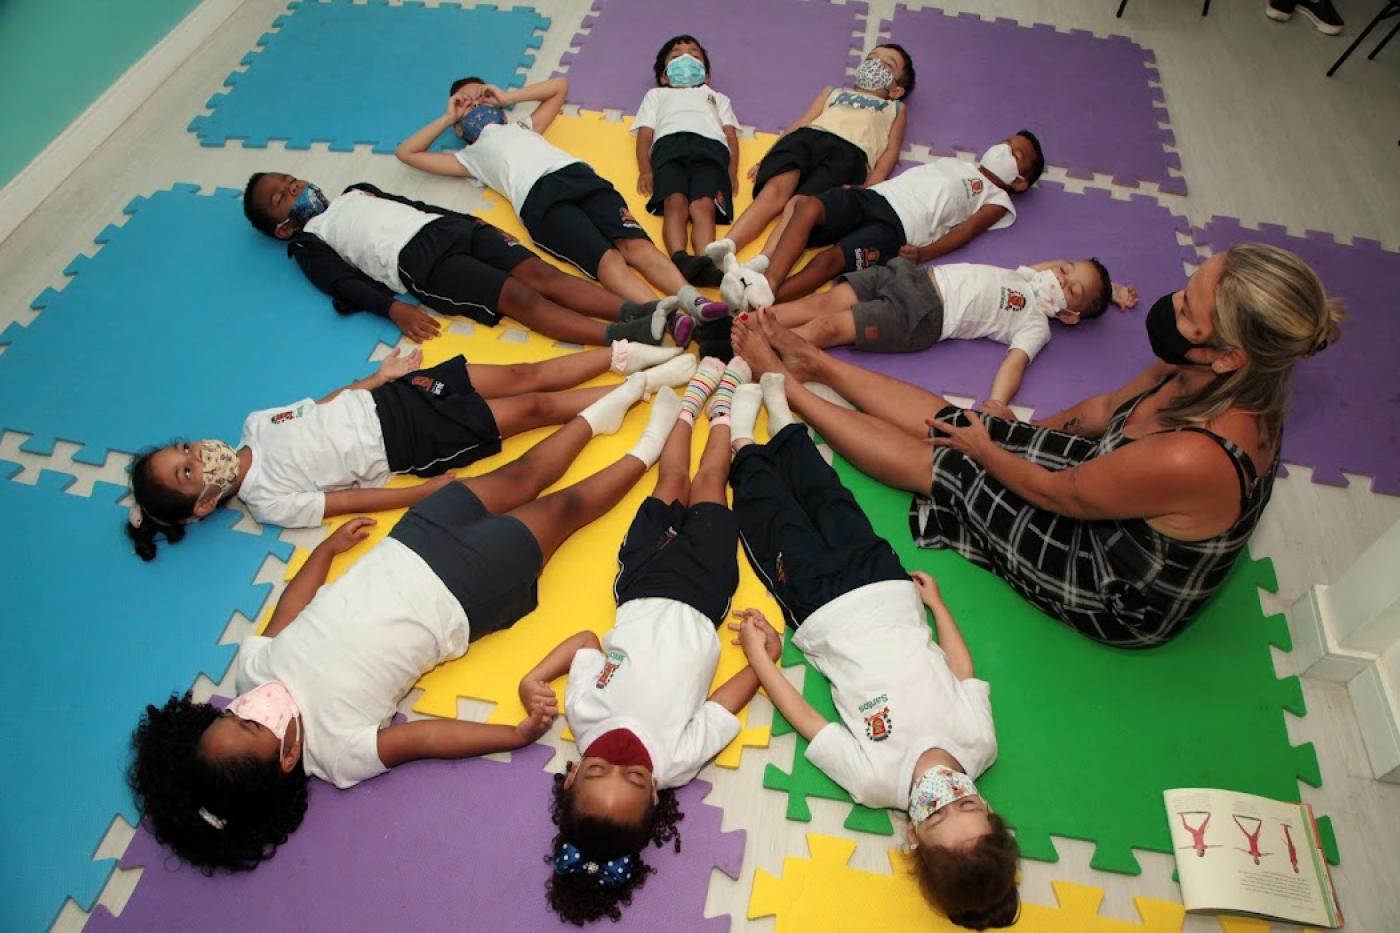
[897, 310]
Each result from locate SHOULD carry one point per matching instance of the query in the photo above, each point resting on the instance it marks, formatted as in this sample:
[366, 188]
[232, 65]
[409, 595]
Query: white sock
[758, 264]
[658, 321]
[665, 408]
[629, 357]
[605, 415]
[774, 388]
[717, 250]
[674, 372]
[743, 412]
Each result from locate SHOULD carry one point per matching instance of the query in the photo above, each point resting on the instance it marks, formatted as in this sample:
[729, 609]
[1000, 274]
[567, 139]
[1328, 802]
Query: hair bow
[610, 874]
[135, 516]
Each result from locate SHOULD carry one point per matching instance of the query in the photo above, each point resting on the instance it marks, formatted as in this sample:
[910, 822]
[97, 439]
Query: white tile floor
[1262, 136]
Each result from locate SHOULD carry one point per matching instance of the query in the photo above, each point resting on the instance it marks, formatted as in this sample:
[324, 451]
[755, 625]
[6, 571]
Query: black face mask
[1167, 342]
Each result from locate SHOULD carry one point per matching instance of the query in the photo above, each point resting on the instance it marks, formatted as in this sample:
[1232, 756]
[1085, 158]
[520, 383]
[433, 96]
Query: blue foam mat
[365, 74]
[91, 635]
[186, 320]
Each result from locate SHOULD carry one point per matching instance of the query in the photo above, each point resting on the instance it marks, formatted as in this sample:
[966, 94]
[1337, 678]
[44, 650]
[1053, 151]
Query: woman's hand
[349, 534]
[973, 440]
[396, 366]
[756, 636]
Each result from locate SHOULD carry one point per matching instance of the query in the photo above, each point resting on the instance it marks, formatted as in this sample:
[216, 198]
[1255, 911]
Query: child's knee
[808, 208]
[702, 209]
[535, 272]
[518, 297]
[675, 203]
[632, 248]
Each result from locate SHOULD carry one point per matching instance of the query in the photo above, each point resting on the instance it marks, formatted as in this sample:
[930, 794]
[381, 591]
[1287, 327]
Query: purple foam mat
[1345, 412]
[751, 43]
[1136, 239]
[435, 845]
[1086, 98]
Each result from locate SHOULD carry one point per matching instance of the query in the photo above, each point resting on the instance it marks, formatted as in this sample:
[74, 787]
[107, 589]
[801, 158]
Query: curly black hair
[1038, 166]
[580, 899]
[260, 221]
[659, 66]
[974, 887]
[163, 510]
[257, 803]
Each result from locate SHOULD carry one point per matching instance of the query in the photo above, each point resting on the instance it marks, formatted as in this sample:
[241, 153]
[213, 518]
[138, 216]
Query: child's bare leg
[804, 213]
[655, 266]
[712, 476]
[675, 213]
[571, 291]
[617, 277]
[553, 518]
[516, 414]
[840, 297]
[673, 469]
[769, 203]
[543, 316]
[497, 381]
[829, 330]
[702, 224]
[824, 267]
[518, 482]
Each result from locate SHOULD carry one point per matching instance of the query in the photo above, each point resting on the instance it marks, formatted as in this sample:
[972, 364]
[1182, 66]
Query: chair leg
[1359, 39]
[1205, 10]
[1388, 36]
[1121, 7]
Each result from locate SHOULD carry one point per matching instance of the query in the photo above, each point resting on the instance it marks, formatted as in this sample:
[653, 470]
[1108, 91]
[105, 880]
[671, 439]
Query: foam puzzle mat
[1136, 239]
[420, 848]
[980, 81]
[308, 82]
[95, 635]
[1202, 711]
[135, 348]
[1346, 412]
[611, 67]
[824, 893]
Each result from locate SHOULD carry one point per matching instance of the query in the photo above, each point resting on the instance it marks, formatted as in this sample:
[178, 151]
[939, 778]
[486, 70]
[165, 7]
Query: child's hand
[756, 636]
[644, 184]
[537, 696]
[927, 587]
[534, 725]
[1124, 296]
[752, 173]
[415, 323]
[394, 366]
[349, 534]
[457, 105]
[490, 94]
[998, 410]
[910, 252]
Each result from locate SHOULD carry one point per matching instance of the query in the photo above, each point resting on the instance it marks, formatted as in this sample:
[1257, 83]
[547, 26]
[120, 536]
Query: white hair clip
[211, 819]
[135, 516]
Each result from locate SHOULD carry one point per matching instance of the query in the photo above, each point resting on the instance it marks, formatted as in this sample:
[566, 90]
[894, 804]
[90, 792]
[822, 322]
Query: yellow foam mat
[576, 588]
[824, 893]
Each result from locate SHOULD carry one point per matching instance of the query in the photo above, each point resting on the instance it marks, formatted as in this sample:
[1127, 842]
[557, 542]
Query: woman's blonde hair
[1270, 304]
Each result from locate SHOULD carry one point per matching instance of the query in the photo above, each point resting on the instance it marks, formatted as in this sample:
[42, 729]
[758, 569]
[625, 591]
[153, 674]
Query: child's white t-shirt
[369, 233]
[510, 158]
[354, 652]
[701, 110]
[933, 198]
[652, 678]
[895, 693]
[304, 449]
[989, 301]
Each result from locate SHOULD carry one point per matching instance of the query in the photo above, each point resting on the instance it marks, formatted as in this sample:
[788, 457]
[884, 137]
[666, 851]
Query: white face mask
[1001, 162]
[935, 789]
[1045, 286]
[220, 462]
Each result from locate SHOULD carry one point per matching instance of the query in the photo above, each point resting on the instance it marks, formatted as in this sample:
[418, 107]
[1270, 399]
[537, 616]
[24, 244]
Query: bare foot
[802, 358]
[749, 341]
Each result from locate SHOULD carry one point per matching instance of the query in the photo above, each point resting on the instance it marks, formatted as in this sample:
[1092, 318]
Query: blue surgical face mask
[307, 205]
[685, 71]
[478, 118]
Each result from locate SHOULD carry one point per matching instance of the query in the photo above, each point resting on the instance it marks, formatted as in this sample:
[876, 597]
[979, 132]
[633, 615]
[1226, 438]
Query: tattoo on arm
[1072, 425]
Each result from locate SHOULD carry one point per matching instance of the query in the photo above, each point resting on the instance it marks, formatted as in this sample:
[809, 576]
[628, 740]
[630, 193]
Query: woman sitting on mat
[318, 687]
[311, 460]
[638, 701]
[1122, 515]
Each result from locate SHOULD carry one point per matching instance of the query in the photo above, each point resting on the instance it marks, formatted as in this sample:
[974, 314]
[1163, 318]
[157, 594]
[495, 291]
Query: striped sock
[706, 377]
[735, 374]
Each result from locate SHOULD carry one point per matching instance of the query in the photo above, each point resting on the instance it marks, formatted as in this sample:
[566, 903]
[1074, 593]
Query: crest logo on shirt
[283, 416]
[615, 659]
[975, 186]
[1012, 300]
[428, 384]
[865, 256]
[879, 725]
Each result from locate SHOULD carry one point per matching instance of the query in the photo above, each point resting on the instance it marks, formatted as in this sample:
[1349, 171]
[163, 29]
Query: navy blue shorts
[686, 554]
[862, 224]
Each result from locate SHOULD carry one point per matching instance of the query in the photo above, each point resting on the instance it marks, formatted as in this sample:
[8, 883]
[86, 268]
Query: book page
[1241, 852]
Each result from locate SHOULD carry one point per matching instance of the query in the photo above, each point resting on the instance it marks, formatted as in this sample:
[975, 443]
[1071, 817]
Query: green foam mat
[1090, 736]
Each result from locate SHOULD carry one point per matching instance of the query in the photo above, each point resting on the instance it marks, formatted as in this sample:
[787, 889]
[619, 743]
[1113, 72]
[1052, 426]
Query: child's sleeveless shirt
[859, 118]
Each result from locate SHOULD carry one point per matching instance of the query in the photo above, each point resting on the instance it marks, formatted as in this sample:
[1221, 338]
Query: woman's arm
[414, 150]
[453, 738]
[795, 709]
[885, 164]
[950, 637]
[344, 501]
[312, 575]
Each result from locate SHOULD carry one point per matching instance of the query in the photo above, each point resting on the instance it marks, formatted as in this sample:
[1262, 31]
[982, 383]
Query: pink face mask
[270, 705]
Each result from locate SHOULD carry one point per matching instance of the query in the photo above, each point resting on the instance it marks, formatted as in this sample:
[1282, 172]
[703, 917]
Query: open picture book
[1246, 854]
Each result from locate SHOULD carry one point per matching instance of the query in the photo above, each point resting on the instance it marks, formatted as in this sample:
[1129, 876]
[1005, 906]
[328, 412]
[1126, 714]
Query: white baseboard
[1378, 717]
[1315, 648]
[46, 171]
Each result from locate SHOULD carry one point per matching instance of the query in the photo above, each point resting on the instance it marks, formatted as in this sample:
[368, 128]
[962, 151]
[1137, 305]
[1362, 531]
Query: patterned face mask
[270, 704]
[307, 205]
[1049, 296]
[479, 118]
[872, 75]
[220, 463]
[935, 789]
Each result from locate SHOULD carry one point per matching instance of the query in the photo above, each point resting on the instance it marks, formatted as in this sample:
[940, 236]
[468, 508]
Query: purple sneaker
[707, 310]
[681, 326]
